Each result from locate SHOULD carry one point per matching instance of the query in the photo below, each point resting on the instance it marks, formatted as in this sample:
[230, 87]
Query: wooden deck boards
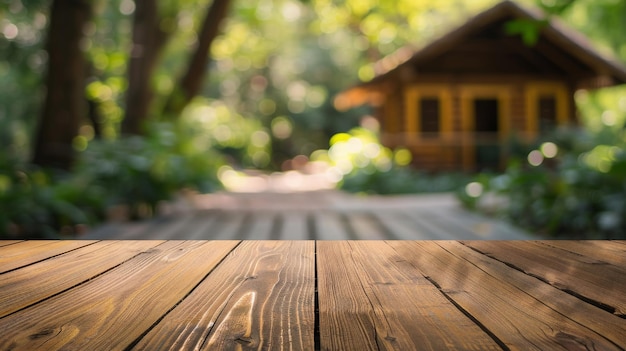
[305, 295]
[327, 215]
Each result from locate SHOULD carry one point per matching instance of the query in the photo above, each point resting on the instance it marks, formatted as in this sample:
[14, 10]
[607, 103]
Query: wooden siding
[453, 148]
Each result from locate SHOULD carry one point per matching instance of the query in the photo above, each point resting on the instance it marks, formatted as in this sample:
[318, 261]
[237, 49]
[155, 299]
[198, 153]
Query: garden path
[315, 215]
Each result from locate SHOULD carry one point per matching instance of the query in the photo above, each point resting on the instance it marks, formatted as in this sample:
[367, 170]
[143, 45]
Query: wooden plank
[28, 252]
[74, 267]
[365, 227]
[445, 223]
[260, 226]
[372, 298]
[518, 320]
[200, 227]
[610, 326]
[399, 227]
[295, 226]
[599, 250]
[567, 271]
[486, 228]
[260, 297]
[422, 222]
[172, 229]
[160, 228]
[118, 231]
[229, 225]
[328, 226]
[9, 242]
[345, 315]
[114, 309]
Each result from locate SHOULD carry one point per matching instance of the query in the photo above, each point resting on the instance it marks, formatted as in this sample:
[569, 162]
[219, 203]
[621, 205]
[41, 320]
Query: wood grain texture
[28, 252]
[519, 320]
[61, 272]
[371, 295]
[112, 310]
[563, 269]
[260, 297]
[599, 250]
[372, 298]
[608, 325]
[9, 242]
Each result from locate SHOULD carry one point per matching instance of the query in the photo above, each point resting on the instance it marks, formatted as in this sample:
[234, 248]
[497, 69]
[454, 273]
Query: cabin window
[486, 115]
[547, 107]
[547, 113]
[429, 115]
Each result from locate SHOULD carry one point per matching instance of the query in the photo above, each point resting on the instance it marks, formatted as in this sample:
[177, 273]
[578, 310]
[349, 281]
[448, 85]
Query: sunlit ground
[314, 176]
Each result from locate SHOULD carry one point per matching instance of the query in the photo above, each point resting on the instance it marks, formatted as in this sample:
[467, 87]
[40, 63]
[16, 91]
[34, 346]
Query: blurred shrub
[359, 163]
[142, 171]
[137, 172]
[211, 124]
[39, 204]
[570, 185]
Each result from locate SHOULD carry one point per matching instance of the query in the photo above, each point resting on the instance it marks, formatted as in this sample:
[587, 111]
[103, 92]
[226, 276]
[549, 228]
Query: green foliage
[529, 30]
[35, 203]
[361, 164]
[136, 172]
[22, 64]
[142, 171]
[579, 192]
[400, 180]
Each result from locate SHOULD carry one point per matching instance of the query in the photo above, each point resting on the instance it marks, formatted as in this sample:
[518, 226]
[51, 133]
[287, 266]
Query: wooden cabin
[456, 102]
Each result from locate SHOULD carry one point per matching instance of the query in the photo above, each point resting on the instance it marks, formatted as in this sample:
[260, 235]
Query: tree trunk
[148, 41]
[64, 106]
[196, 73]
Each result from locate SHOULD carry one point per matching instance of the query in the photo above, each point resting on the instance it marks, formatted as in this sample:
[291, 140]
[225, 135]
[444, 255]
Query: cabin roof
[605, 70]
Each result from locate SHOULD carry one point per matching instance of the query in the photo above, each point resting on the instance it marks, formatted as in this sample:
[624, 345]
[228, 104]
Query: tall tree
[148, 41]
[65, 105]
[191, 81]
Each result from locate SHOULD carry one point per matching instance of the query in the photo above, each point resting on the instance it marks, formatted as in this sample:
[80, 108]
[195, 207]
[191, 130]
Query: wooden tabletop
[307, 295]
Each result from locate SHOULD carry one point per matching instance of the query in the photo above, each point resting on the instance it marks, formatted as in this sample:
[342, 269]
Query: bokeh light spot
[474, 189]
[535, 158]
[402, 157]
[549, 149]
[10, 31]
[281, 127]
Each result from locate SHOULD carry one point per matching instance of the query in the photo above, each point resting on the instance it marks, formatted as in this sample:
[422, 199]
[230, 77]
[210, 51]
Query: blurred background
[128, 104]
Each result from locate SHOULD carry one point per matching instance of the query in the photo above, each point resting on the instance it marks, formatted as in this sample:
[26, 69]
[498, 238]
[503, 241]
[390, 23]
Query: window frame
[413, 118]
[534, 91]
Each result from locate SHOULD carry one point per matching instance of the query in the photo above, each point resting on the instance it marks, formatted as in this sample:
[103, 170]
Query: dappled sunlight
[130, 104]
[358, 150]
[313, 176]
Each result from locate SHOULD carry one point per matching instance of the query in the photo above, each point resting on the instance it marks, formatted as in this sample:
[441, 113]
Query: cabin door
[486, 131]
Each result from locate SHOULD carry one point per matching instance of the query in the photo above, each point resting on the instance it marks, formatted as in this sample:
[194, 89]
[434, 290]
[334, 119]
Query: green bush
[363, 165]
[35, 203]
[142, 171]
[577, 192]
[137, 172]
